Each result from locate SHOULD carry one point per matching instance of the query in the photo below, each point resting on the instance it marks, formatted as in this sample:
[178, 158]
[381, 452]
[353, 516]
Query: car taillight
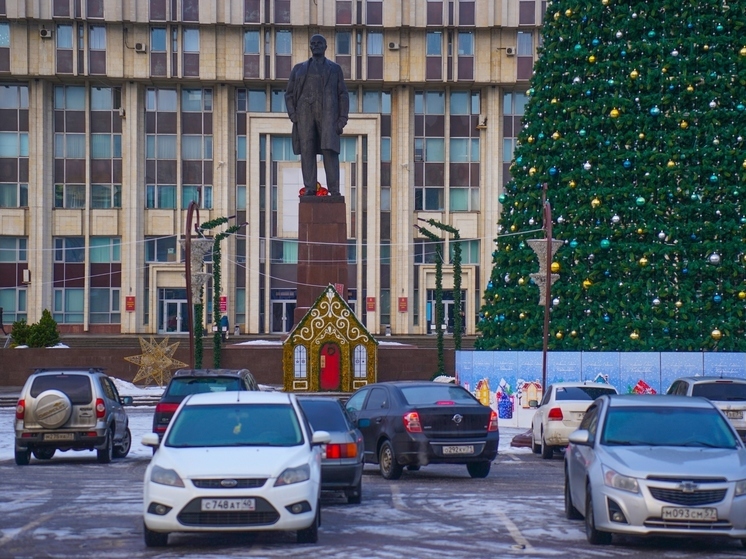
[100, 408]
[346, 450]
[166, 408]
[20, 409]
[493, 421]
[412, 422]
[555, 414]
[445, 403]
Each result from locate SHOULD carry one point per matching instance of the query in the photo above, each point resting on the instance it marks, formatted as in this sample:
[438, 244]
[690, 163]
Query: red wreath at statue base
[320, 191]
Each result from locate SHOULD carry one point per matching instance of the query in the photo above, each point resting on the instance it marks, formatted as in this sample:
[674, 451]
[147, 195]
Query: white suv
[71, 409]
[560, 412]
[727, 393]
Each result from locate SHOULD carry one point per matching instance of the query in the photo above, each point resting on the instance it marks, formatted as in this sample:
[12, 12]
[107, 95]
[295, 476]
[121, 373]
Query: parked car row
[229, 457]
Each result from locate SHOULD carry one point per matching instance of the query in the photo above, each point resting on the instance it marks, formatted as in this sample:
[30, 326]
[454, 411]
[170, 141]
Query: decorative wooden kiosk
[329, 350]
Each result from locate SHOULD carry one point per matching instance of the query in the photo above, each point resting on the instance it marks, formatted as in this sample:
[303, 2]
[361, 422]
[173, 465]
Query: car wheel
[105, 455]
[23, 457]
[355, 494]
[479, 469]
[154, 539]
[311, 534]
[52, 409]
[123, 448]
[571, 513]
[595, 537]
[547, 451]
[390, 468]
[44, 453]
[536, 448]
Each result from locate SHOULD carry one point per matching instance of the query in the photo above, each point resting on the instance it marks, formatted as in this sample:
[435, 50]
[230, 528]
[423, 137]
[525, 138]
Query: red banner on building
[370, 304]
[129, 303]
[403, 304]
[223, 303]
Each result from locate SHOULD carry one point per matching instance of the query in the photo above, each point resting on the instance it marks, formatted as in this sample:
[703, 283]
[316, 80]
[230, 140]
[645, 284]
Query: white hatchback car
[560, 412]
[234, 461]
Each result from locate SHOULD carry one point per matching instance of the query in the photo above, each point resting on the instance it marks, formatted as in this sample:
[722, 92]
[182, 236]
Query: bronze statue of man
[318, 104]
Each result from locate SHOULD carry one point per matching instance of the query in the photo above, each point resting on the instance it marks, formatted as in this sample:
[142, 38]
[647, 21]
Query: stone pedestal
[322, 249]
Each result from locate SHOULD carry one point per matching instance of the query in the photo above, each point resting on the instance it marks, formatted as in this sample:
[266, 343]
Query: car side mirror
[126, 400]
[533, 403]
[320, 437]
[580, 437]
[151, 440]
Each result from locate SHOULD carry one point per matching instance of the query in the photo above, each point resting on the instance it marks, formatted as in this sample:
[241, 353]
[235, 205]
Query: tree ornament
[532, 171]
[513, 228]
[640, 231]
[742, 295]
[530, 139]
[573, 244]
[555, 301]
[615, 219]
[643, 261]
[607, 318]
[587, 283]
[507, 278]
[640, 201]
[573, 184]
[742, 52]
[559, 335]
[714, 258]
[634, 336]
[595, 203]
[661, 235]
[522, 316]
[568, 12]
[655, 111]
[678, 304]
[587, 166]
[502, 198]
[713, 178]
[713, 104]
[556, 136]
[717, 299]
[614, 113]
[555, 267]
[641, 135]
[684, 125]
[656, 302]
[591, 59]
[674, 53]
[671, 164]
[690, 88]
[582, 132]
[627, 164]
[573, 333]
[521, 281]
[716, 334]
[605, 243]
[634, 74]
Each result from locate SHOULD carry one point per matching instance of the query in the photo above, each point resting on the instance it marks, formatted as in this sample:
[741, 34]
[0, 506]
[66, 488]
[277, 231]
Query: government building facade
[115, 115]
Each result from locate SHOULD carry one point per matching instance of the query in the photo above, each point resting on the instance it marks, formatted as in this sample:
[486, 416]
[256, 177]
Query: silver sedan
[656, 465]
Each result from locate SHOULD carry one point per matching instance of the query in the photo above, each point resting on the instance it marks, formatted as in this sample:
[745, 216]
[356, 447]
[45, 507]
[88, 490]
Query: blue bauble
[595, 42]
[578, 47]
[713, 178]
[553, 171]
[573, 244]
[720, 28]
[605, 243]
[588, 93]
[651, 34]
[607, 318]
[655, 111]
[582, 132]
[740, 107]
[627, 164]
[623, 53]
[717, 299]
[501, 318]
[685, 271]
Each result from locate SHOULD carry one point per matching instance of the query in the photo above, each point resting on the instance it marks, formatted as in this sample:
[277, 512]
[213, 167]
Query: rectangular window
[161, 196]
[4, 35]
[469, 252]
[97, 50]
[13, 303]
[13, 195]
[13, 249]
[434, 44]
[257, 101]
[105, 250]
[70, 196]
[158, 39]
[69, 249]
[68, 305]
[160, 249]
[105, 196]
[103, 305]
[343, 43]
[251, 41]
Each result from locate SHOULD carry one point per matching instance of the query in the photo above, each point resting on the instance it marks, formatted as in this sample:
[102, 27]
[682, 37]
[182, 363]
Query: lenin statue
[318, 104]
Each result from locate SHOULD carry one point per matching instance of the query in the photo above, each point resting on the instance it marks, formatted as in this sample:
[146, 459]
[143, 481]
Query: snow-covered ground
[141, 422]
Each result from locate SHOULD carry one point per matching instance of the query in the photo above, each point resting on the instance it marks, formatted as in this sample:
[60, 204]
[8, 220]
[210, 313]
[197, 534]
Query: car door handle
[378, 419]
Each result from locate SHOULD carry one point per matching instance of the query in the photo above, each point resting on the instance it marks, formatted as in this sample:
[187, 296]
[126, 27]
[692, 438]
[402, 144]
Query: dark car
[194, 381]
[415, 423]
[342, 462]
[71, 409]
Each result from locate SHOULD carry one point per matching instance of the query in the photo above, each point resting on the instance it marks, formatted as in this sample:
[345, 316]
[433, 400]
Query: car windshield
[667, 426]
[186, 386]
[235, 425]
[589, 393]
[437, 393]
[76, 387]
[325, 415]
[721, 391]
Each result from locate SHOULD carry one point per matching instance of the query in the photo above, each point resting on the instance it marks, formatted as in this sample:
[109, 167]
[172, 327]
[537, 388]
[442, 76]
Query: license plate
[690, 513]
[734, 414]
[228, 505]
[463, 449]
[59, 436]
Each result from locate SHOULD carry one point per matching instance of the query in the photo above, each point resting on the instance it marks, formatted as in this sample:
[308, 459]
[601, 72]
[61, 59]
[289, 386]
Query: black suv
[193, 381]
[71, 409]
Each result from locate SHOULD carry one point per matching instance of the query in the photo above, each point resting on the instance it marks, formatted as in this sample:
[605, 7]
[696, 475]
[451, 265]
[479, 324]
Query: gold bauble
[716, 334]
[706, 47]
[559, 335]
[574, 334]
[640, 231]
[532, 171]
[634, 336]
[556, 15]
[614, 113]
[587, 283]
[684, 124]
[742, 295]
[530, 139]
[555, 267]
[743, 164]
[554, 100]
[641, 135]
[678, 304]
[522, 315]
[643, 261]
[605, 2]
[690, 88]
[568, 12]
[573, 184]
[521, 281]
[742, 52]
[592, 59]
[595, 203]
[556, 136]
[670, 163]
[513, 228]
[664, 70]
[634, 74]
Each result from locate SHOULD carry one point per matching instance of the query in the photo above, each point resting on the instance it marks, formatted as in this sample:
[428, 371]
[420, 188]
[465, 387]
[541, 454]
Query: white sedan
[234, 461]
[560, 412]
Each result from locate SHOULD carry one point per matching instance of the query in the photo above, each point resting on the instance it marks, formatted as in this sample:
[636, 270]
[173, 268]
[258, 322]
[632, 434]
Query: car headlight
[618, 481]
[741, 487]
[294, 475]
[165, 477]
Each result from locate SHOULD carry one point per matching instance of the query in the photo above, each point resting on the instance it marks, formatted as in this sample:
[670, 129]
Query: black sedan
[416, 423]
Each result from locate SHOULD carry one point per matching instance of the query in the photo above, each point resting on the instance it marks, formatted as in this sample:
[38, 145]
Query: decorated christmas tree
[635, 129]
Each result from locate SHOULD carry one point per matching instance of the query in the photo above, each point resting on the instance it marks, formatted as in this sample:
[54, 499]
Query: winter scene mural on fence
[510, 381]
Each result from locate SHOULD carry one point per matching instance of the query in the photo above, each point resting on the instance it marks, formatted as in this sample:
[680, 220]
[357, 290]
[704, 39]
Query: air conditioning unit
[141, 47]
[510, 51]
[45, 33]
[26, 275]
[122, 112]
[393, 46]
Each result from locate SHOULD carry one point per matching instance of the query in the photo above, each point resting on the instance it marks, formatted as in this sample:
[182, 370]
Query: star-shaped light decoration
[156, 361]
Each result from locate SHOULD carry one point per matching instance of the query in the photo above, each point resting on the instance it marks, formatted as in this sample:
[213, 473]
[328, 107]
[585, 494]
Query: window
[284, 251]
[192, 194]
[13, 303]
[251, 41]
[162, 196]
[277, 101]
[283, 50]
[68, 305]
[525, 55]
[469, 251]
[360, 362]
[69, 249]
[158, 51]
[71, 196]
[105, 196]
[160, 249]
[425, 251]
[251, 53]
[190, 46]
[96, 50]
[300, 362]
[103, 305]
[375, 55]
[434, 45]
[13, 249]
[13, 195]
[105, 250]
[343, 43]
[4, 47]
[13, 144]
